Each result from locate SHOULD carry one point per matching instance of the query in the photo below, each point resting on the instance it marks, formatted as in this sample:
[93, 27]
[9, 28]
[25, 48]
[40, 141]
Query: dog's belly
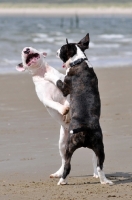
[85, 109]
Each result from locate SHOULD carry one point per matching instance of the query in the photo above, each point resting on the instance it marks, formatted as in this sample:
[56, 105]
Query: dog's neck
[39, 70]
[79, 55]
[36, 70]
[39, 74]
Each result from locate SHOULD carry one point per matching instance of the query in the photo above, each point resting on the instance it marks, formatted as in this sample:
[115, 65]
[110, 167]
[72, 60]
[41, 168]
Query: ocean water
[110, 38]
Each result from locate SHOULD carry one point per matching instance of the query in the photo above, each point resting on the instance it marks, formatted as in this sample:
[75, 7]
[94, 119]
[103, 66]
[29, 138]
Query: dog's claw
[66, 119]
[66, 110]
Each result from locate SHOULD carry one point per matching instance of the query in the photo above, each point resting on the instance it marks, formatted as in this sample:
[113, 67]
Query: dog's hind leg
[94, 160]
[102, 177]
[99, 151]
[62, 143]
[67, 169]
[70, 148]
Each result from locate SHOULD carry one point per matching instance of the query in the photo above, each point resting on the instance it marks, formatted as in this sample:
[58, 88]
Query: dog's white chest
[40, 90]
[47, 90]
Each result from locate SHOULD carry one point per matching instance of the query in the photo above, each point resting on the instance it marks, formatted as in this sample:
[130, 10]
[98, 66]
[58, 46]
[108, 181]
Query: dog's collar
[77, 62]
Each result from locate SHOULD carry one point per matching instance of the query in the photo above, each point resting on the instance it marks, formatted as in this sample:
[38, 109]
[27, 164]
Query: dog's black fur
[82, 85]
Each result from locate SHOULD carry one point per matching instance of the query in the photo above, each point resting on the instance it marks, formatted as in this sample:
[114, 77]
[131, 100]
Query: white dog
[52, 98]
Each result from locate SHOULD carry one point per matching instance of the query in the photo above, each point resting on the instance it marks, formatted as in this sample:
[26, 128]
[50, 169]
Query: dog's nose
[27, 51]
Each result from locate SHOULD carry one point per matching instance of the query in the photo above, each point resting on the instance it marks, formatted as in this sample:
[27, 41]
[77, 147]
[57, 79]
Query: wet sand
[29, 143]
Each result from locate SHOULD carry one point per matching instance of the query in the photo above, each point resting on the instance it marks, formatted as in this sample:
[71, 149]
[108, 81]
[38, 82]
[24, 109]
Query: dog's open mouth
[32, 58]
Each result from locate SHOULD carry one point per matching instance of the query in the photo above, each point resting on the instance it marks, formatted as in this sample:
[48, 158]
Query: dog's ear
[84, 43]
[20, 67]
[44, 54]
[71, 49]
[66, 41]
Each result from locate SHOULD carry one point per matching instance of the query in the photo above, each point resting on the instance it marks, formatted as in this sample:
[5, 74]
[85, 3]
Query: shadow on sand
[117, 178]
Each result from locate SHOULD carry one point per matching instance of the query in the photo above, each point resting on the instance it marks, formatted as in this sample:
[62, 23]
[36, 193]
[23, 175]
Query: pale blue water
[110, 38]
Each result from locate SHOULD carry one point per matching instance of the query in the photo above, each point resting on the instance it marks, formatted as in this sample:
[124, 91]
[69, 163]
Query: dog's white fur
[98, 173]
[52, 98]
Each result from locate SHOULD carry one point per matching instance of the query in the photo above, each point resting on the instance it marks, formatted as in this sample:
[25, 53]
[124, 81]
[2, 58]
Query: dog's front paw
[65, 110]
[62, 182]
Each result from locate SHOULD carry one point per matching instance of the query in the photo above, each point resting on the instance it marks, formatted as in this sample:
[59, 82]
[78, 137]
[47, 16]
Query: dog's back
[84, 96]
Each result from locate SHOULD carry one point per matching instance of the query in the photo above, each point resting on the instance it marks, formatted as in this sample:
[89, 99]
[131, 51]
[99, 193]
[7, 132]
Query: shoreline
[66, 11]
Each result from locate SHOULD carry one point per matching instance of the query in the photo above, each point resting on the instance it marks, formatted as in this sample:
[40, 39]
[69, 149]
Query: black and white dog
[84, 130]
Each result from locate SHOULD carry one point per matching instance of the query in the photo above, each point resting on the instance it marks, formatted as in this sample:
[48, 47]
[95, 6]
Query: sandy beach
[29, 143]
[67, 11]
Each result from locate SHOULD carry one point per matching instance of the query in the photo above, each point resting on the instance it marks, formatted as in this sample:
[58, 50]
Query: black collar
[77, 62]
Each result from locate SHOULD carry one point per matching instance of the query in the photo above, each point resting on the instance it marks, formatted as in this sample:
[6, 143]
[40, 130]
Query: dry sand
[29, 143]
[67, 11]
